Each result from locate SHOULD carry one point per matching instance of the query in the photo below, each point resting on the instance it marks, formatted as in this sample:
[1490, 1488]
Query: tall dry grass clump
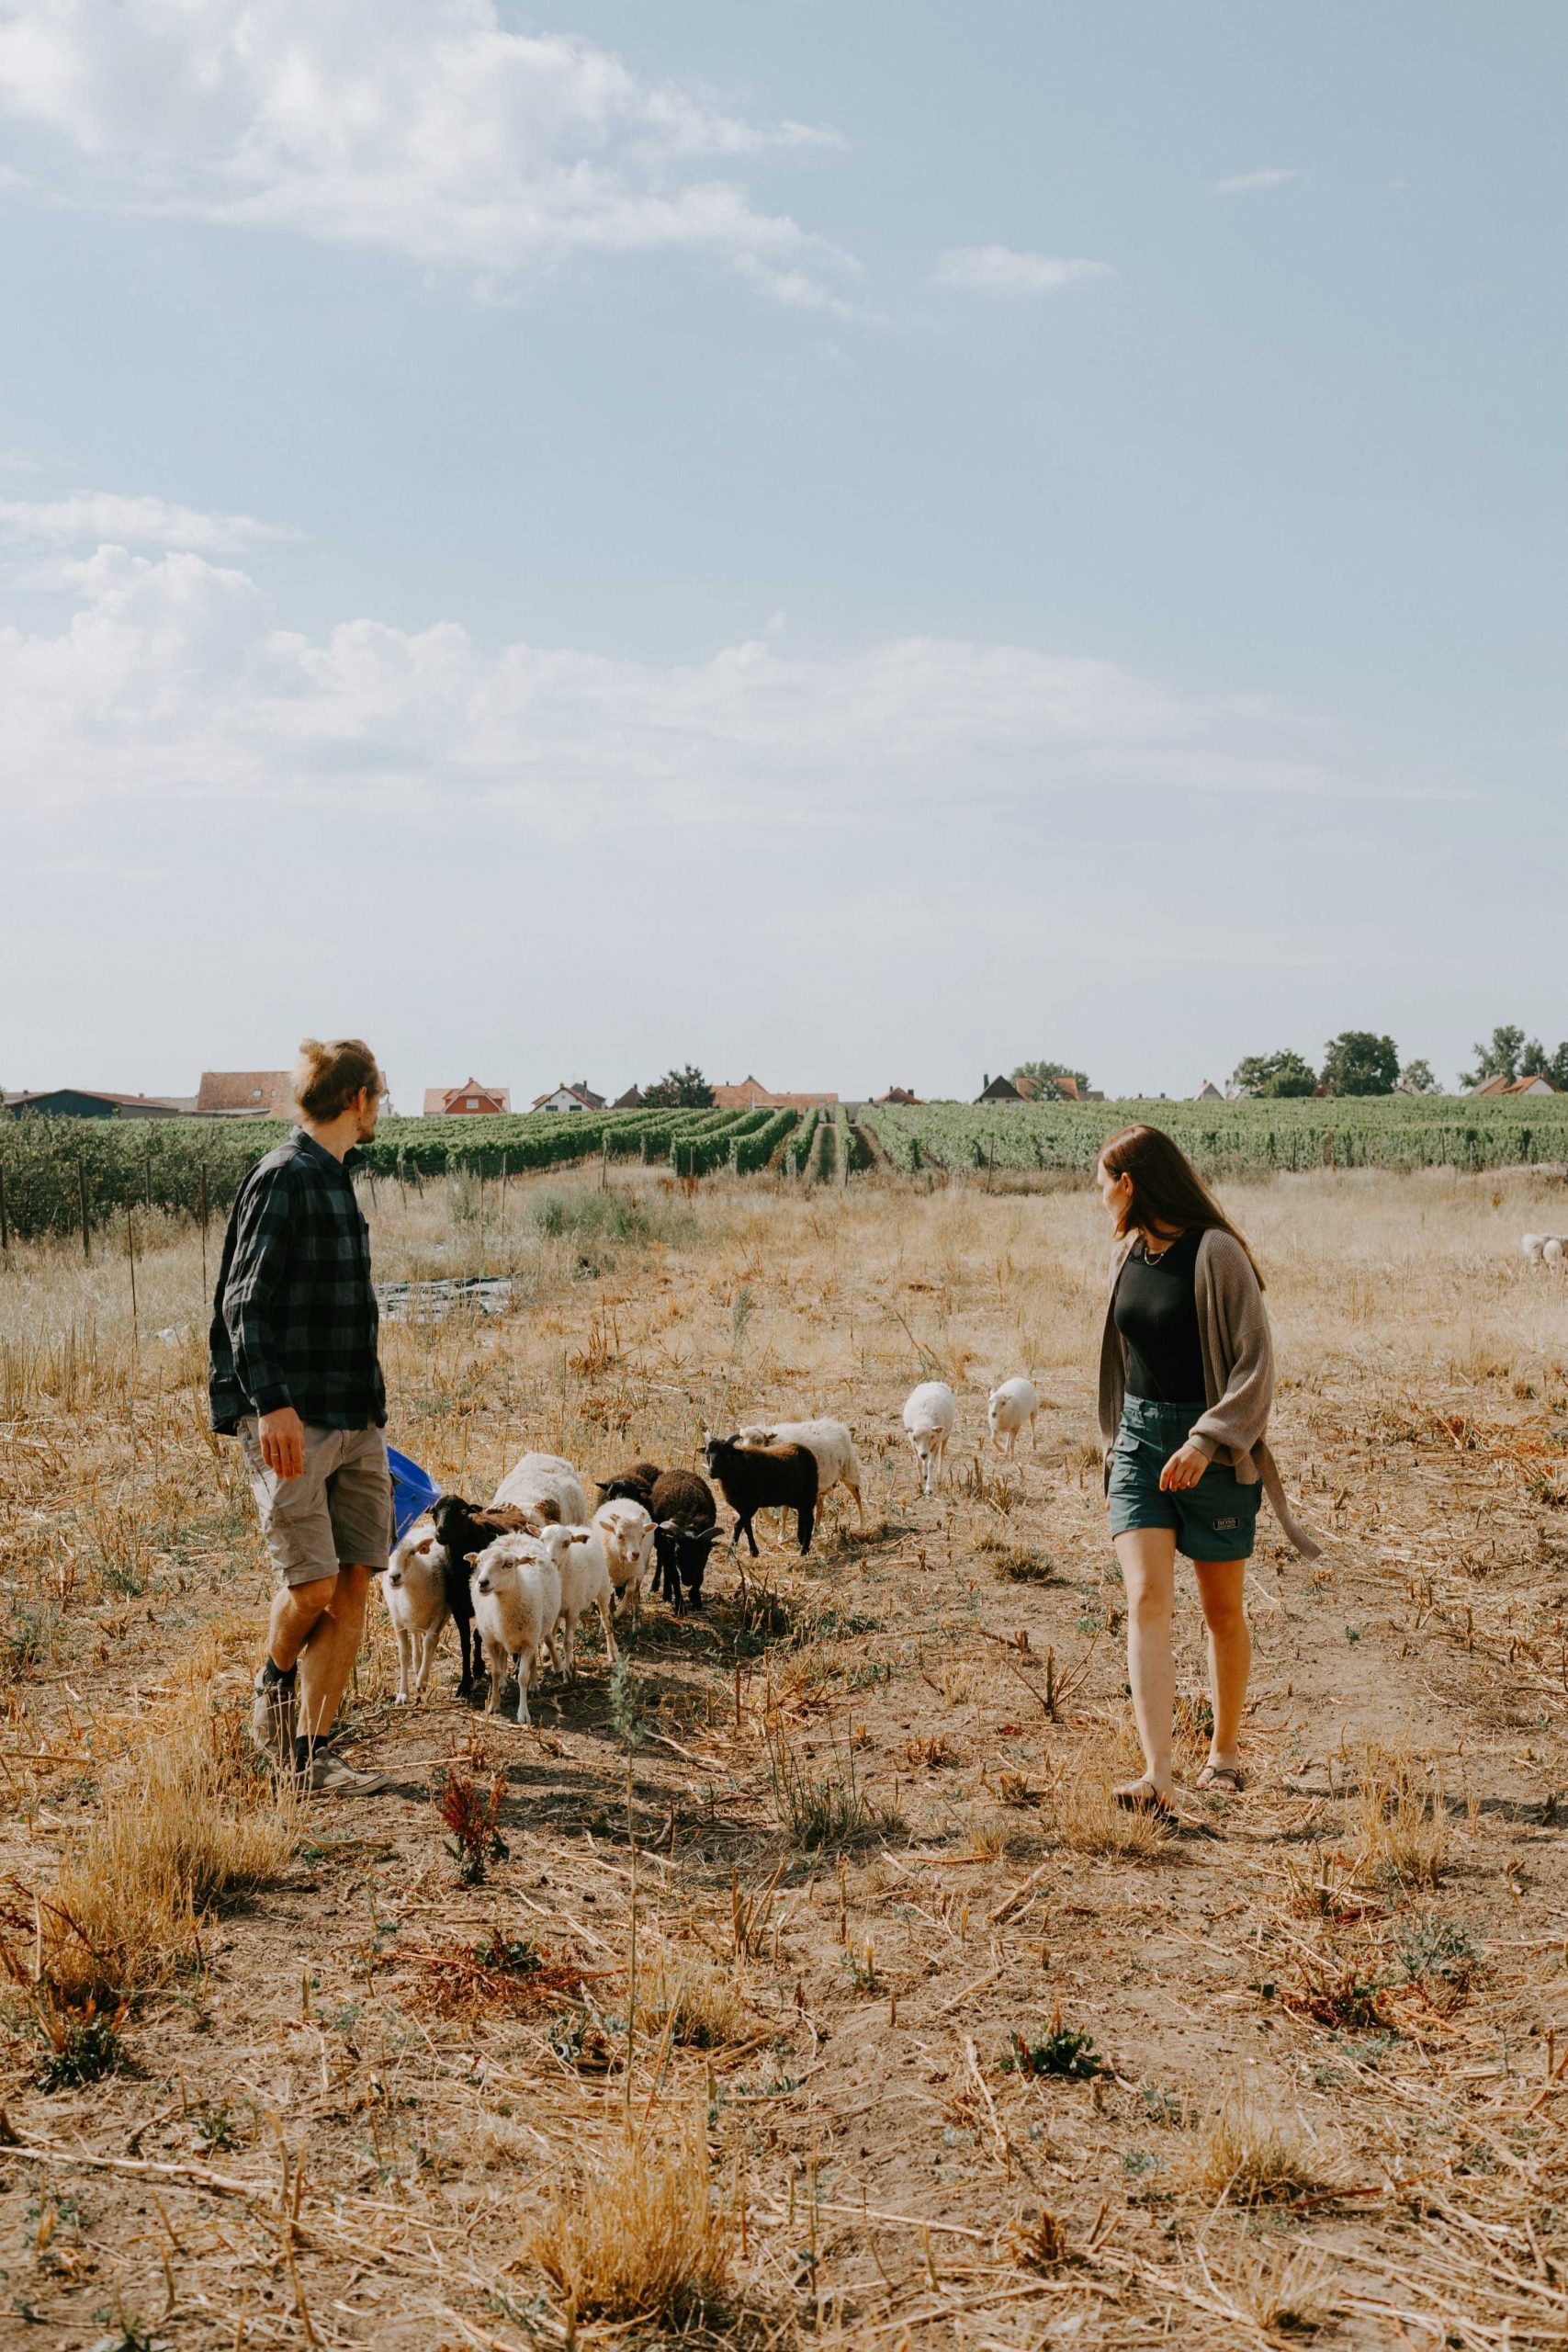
[644, 2238]
[1248, 2157]
[1081, 1800]
[1403, 1819]
[188, 1816]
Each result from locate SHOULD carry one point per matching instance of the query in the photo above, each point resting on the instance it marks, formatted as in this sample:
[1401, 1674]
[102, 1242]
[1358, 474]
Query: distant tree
[1416, 1079]
[1536, 1062]
[1282, 1073]
[1046, 1075]
[1360, 1062]
[680, 1090]
[1499, 1059]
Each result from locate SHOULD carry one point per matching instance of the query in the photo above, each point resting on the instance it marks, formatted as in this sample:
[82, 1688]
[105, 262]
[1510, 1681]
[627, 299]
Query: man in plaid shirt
[294, 1376]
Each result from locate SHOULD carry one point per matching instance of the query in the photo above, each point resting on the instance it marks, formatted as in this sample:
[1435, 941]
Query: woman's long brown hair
[1166, 1188]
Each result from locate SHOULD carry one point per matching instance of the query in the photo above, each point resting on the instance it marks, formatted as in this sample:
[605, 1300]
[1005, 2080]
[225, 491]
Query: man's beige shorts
[339, 1514]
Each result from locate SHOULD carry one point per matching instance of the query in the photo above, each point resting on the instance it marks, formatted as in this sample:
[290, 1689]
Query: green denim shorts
[1215, 1520]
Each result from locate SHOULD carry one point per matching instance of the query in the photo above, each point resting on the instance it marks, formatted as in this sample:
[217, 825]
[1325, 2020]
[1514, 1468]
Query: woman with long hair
[1186, 1381]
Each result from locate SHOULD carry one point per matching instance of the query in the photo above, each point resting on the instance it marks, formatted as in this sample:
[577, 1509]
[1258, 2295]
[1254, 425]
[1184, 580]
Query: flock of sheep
[1544, 1248]
[518, 1574]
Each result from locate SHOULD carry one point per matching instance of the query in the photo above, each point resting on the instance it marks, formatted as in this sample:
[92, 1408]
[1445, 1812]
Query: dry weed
[644, 2238]
[1403, 1819]
[1081, 1800]
[1283, 2289]
[690, 2003]
[1248, 2157]
[187, 1816]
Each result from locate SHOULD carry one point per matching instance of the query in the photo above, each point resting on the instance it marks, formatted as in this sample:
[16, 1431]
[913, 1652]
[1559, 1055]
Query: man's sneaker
[272, 1718]
[327, 1775]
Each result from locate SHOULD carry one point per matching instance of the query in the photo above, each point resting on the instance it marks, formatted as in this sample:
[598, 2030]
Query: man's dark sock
[273, 1674]
[307, 1745]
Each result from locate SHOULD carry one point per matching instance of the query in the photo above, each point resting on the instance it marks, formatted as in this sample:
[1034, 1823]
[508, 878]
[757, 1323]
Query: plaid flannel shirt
[295, 1316]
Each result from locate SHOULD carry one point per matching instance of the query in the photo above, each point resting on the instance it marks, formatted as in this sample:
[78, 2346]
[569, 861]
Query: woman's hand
[1184, 1469]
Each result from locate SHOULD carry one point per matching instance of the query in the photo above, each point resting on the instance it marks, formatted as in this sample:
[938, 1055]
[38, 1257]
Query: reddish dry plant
[472, 1815]
[496, 1972]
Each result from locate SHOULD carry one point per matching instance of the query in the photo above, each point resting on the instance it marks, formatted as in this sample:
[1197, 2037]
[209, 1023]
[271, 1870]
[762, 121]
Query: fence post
[81, 1203]
[130, 1254]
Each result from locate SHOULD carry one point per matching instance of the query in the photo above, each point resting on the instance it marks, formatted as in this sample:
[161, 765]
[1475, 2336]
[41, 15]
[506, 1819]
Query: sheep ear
[582, 1535]
[472, 1559]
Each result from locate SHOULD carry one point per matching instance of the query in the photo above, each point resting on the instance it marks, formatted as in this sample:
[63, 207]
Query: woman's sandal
[1142, 1796]
[1222, 1775]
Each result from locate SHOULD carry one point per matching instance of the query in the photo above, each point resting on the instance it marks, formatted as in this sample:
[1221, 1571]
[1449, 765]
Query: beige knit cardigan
[1238, 1373]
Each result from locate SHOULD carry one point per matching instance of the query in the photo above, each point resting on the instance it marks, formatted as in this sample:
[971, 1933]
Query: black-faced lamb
[838, 1464]
[685, 1523]
[763, 1477]
[461, 1528]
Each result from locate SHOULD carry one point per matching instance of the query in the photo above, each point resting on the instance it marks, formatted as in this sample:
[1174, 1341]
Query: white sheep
[929, 1415]
[838, 1464]
[578, 1554]
[546, 1487]
[627, 1531]
[1551, 1250]
[1007, 1408]
[414, 1587]
[1532, 1246]
[516, 1591]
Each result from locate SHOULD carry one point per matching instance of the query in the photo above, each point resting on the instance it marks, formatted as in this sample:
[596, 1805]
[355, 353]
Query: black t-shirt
[1157, 1315]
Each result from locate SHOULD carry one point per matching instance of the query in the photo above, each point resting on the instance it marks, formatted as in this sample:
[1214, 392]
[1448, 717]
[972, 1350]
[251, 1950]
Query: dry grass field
[801, 1983]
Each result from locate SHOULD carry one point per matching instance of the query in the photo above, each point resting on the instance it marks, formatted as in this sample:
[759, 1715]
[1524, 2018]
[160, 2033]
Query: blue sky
[859, 544]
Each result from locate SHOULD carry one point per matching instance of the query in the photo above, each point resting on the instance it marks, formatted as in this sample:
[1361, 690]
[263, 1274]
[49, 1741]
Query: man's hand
[1184, 1469]
[282, 1436]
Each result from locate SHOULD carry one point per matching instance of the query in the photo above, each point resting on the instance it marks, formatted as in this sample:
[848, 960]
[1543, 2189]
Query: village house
[750, 1094]
[630, 1101]
[999, 1090]
[246, 1094]
[580, 1097]
[1534, 1084]
[469, 1100]
[898, 1094]
[85, 1102]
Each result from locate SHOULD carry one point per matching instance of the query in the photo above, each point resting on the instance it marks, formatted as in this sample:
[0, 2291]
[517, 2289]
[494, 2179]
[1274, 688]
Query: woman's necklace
[1153, 1256]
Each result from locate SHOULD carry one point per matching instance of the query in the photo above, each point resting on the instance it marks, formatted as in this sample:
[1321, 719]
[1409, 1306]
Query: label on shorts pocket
[1223, 1525]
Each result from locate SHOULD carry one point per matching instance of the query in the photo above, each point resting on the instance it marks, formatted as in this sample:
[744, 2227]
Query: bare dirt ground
[840, 1850]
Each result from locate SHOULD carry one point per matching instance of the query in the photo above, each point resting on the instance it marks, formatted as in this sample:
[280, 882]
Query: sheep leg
[525, 1674]
[405, 1644]
[1034, 1432]
[804, 1520]
[496, 1660]
[860, 1507]
[467, 1646]
[609, 1637]
[570, 1624]
[426, 1660]
[744, 1525]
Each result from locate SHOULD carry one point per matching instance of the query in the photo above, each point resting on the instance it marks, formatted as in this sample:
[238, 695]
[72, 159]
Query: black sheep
[764, 1477]
[633, 1485]
[461, 1528]
[685, 1522]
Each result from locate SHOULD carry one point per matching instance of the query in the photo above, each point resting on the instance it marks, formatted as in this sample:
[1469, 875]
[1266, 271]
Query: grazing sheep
[635, 1485]
[1007, 1408]
[627, 1530]
[838, 1464]
[581, 1564]
[548, 1487]
[930, 1414]
[516, 1589]
[1531, 1247]
[414, 1586]
[685, 1522]
[461, 1528]
[761, 1477]
[1552, 1250]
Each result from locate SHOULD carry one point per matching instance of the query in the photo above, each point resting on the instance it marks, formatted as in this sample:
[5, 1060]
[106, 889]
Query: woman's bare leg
[1148, 1555]
[1219, 1589]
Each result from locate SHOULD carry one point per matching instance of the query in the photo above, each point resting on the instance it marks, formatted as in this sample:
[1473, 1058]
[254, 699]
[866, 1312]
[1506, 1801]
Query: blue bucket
[412, 1493]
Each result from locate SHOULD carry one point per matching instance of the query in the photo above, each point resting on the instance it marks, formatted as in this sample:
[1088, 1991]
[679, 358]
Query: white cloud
[998, 269]
[173, 679]
[1253, 183]
[89, 517]
[421, 128]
